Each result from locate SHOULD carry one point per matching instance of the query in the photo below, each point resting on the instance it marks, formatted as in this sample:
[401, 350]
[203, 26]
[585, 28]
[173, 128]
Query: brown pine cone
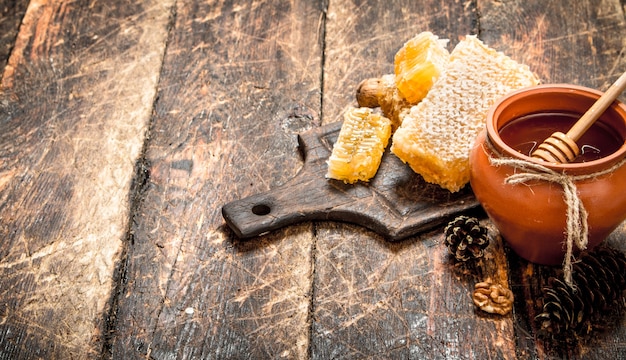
[599, 283]
[465, 238]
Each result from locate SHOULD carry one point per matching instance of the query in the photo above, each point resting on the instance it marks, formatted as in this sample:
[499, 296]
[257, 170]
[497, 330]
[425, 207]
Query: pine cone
[465, 238]
[599, 280]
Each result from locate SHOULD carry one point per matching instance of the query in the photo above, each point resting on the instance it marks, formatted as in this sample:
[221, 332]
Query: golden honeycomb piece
[418, 64]
[359, 148]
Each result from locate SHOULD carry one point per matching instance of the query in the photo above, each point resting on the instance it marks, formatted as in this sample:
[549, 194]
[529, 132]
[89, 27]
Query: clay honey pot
[525, 197]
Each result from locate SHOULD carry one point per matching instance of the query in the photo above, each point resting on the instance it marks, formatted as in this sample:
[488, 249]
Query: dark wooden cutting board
[396, 203]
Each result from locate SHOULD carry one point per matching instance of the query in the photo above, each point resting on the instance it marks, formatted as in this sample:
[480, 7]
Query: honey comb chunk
[359, 148]
[418, 64]
[437, 134]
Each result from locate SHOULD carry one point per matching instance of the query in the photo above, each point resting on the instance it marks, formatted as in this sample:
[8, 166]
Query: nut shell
[493, 298]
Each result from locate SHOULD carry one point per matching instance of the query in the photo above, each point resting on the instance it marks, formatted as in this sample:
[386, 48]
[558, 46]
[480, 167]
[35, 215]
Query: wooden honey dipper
[562, 148]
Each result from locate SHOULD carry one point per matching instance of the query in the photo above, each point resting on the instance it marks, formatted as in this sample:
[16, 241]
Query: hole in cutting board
[261, 209]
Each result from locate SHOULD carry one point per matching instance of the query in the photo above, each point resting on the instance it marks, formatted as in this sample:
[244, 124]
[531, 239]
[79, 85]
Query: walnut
[493, 298]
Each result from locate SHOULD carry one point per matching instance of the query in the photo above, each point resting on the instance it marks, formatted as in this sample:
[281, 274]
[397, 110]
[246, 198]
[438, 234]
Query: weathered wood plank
[563, 42]
[380, 300]
[240, 80]
[567, 42]
[75, 101]
[404, 300]
[11, 13]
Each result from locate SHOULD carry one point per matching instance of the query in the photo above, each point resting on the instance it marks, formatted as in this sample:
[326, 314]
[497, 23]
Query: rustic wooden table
[126, 126]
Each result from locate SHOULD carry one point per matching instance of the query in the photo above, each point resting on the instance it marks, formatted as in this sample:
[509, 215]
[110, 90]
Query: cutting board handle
[299, 200]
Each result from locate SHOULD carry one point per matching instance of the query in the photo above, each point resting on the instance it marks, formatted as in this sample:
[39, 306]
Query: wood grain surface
[234, 93]
[76, 98]
[126, 126]
[11, 13]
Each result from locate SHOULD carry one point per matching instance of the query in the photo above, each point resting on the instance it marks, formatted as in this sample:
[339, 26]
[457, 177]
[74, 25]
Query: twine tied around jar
[577, 228]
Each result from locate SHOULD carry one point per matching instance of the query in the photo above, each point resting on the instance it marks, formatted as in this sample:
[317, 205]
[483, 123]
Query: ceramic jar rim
[514, 98]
